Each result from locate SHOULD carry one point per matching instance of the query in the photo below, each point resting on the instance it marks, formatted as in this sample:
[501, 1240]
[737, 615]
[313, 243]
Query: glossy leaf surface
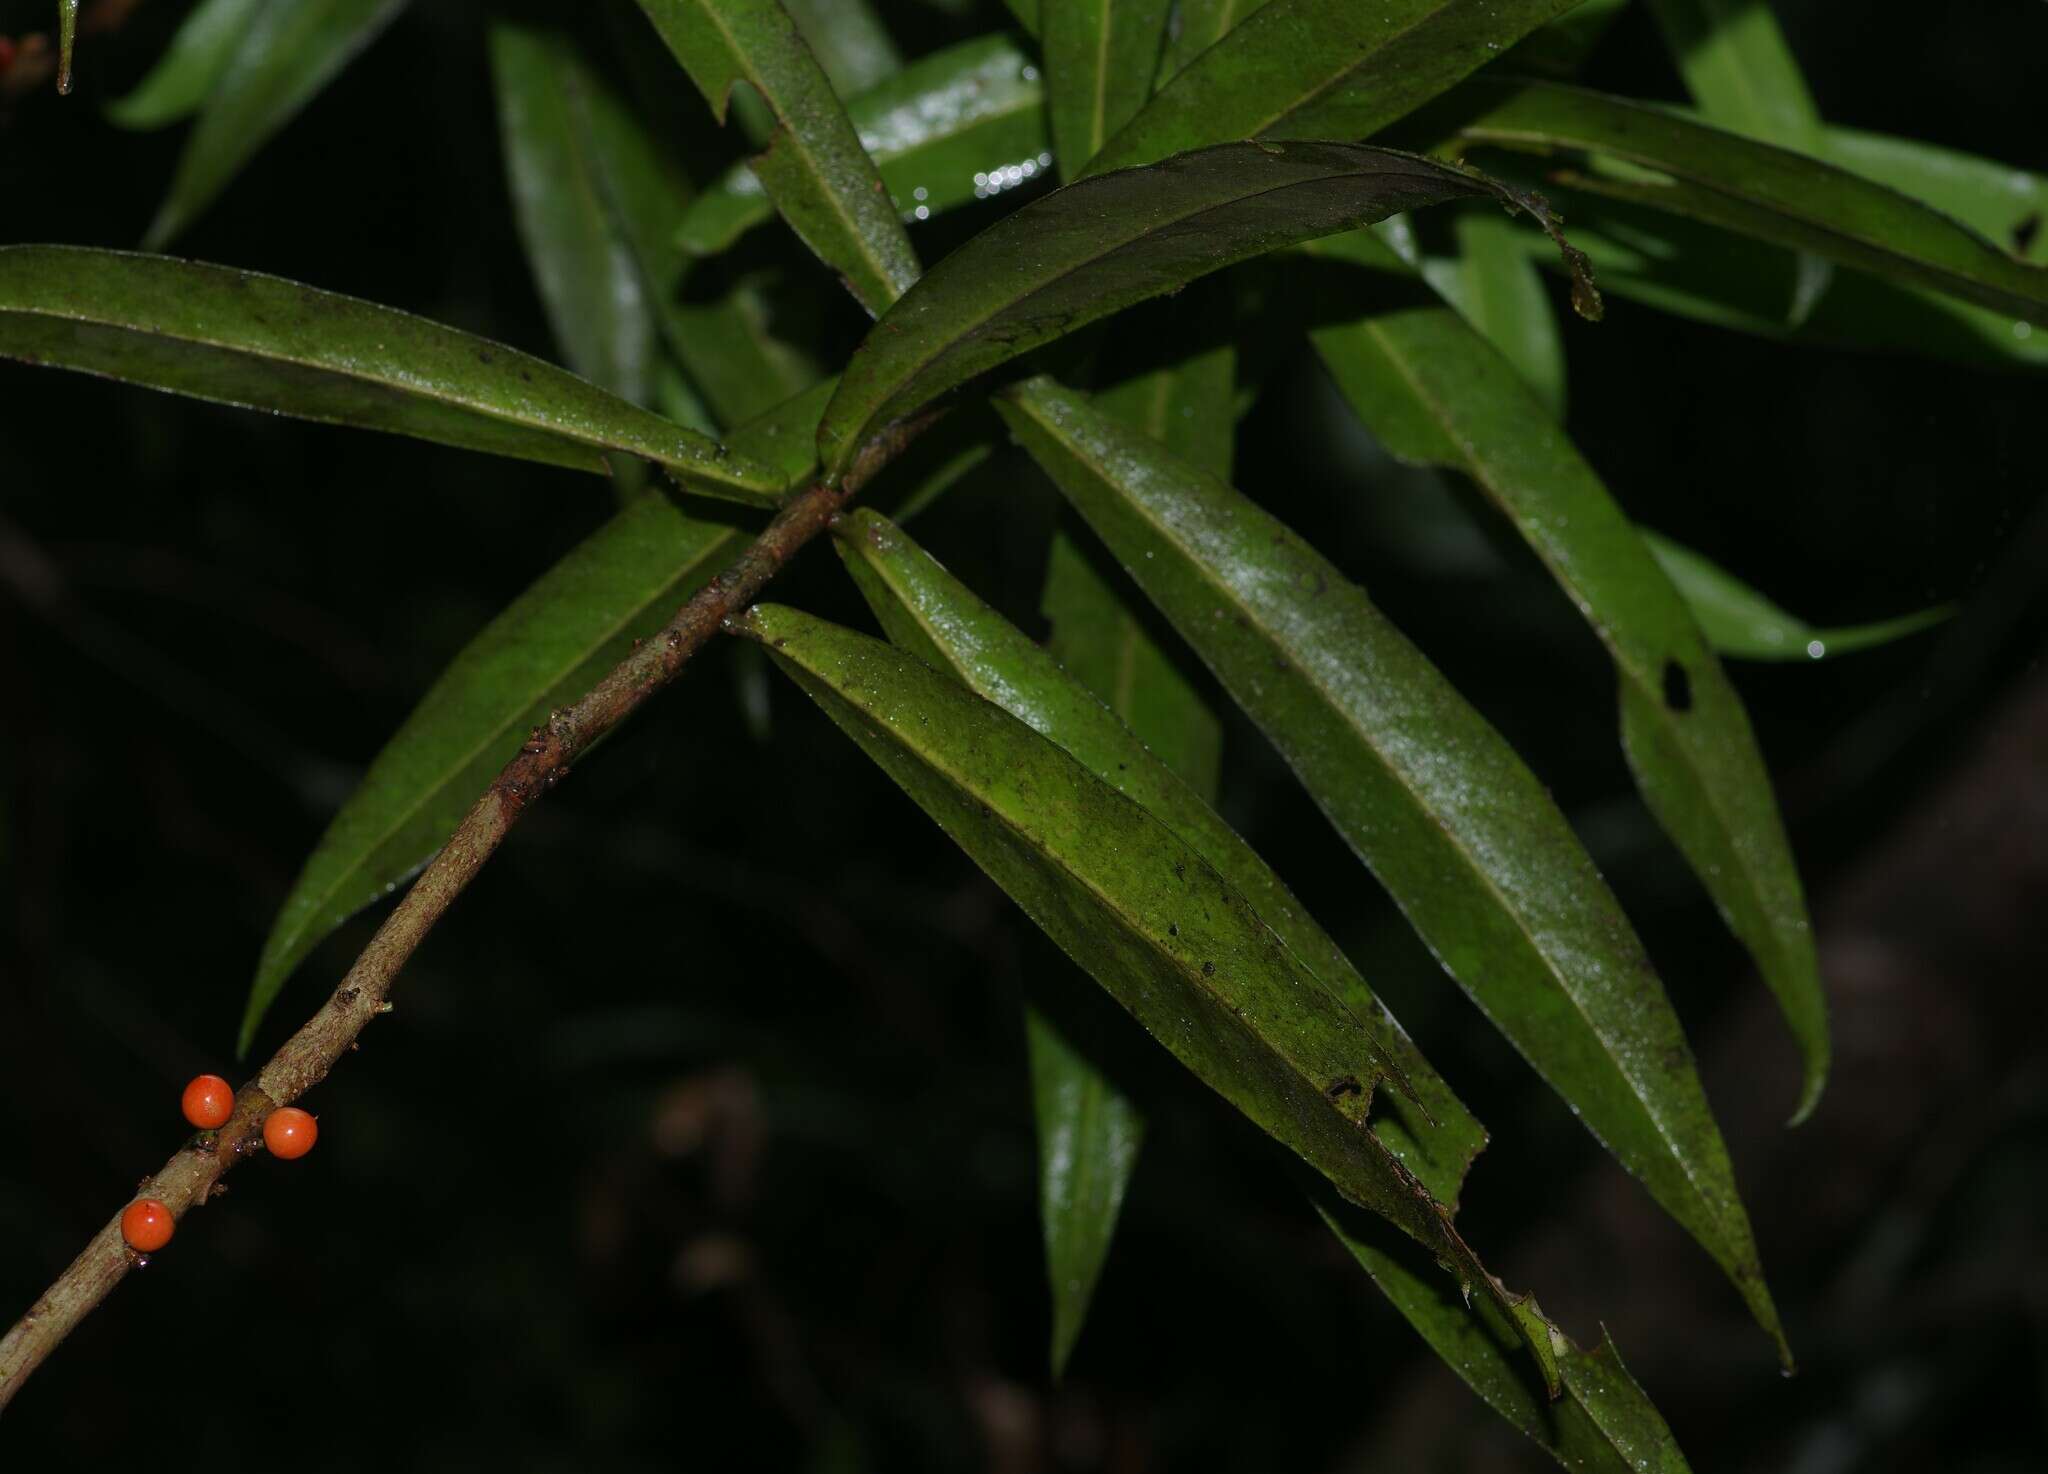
[1330, 69]
[1141, 912]
[289, 51]
[814, 168]
[1464, 837]
[236, 337]
[1092, 248]
[1751, 188]
[1435, 393]
[953, 127]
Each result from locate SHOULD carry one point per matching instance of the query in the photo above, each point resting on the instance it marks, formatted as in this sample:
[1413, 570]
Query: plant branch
[193, 1175]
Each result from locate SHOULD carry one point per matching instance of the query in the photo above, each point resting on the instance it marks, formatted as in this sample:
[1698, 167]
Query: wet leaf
[1141, 912]
[1322, 69]
[813, 168]
[1463, 836]
[290, 50]
[849, 40]
[1748, 187]
[1198, 25]
[1092, 248]
[1434, 392]
[1741, 622]
[186, 73]
[236, 337]
[943, 132]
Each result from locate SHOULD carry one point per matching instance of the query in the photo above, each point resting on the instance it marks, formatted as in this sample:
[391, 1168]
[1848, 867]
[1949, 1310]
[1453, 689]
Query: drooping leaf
[597, 295]
[1748, 187]
[932, 615]
[1092, 248]
[1458, 830]
[1434, 392]
[1603, 1424]
[545, 649]
[289, 51]
[1741, 72]
[1142, 913]
[236, 337]
[1496, 287]
[813, 167]
[1099, 59]
[1695, 271]
[190, 66]
[948, 129]
[1330, 69]
[1739, 621]
[1089, 1135]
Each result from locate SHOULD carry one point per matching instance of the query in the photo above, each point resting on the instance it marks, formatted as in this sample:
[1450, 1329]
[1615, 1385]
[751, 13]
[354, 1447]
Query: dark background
[701, 1135]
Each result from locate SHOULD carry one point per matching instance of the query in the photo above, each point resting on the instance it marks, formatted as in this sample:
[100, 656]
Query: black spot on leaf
[1677, 687]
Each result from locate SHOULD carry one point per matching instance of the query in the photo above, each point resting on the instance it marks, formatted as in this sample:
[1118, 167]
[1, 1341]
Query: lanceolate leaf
[598, 298]
[849, 40]
[1742, 74]
[289, 51]
[1099, 59]
[1092, 248]
[1141, 912]
[1435, 392]
[1741, 622]
[813, 168]
[1462, 835]
[945, 130]
[929, 613]
[1495, 286]
[1322, 69]
[2007, 206]
[1751, 188]
[239, 338]
[185, 74]
[548, 646]
[1603, 1424]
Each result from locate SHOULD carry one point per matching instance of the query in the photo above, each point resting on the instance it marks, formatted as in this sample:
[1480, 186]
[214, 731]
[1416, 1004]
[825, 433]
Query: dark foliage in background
[704, 1135]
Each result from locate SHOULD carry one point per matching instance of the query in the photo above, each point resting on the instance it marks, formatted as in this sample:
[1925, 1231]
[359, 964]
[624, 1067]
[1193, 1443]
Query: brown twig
[190, 1177]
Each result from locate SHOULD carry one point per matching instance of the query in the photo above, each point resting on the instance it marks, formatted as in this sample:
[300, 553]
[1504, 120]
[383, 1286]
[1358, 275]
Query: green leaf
[1142, 913]
[1434, 392]
[1089, 1134]
[548, 646]
[1561, 48]
[1494, 284]
[290, 51]
[1603, 1424]
[1698, 272]
[933, 616]
[813, 167]
[849, 40]
[2005, 205]
[1100, 56]
[1026, 12]
[734, 355]
[944, 131]
[595, 290]
[1750, 188]
[1330, 69]
[186, 73]
[1462, 835]
[1741, 622]
[1093, 248]
[1198, 25]
[1741, 72]
[236, 337]
[67, 38]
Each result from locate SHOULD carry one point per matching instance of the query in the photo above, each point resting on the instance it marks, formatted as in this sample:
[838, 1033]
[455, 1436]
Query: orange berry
[147, 1225]
[209, 1101]
[290, 1132]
